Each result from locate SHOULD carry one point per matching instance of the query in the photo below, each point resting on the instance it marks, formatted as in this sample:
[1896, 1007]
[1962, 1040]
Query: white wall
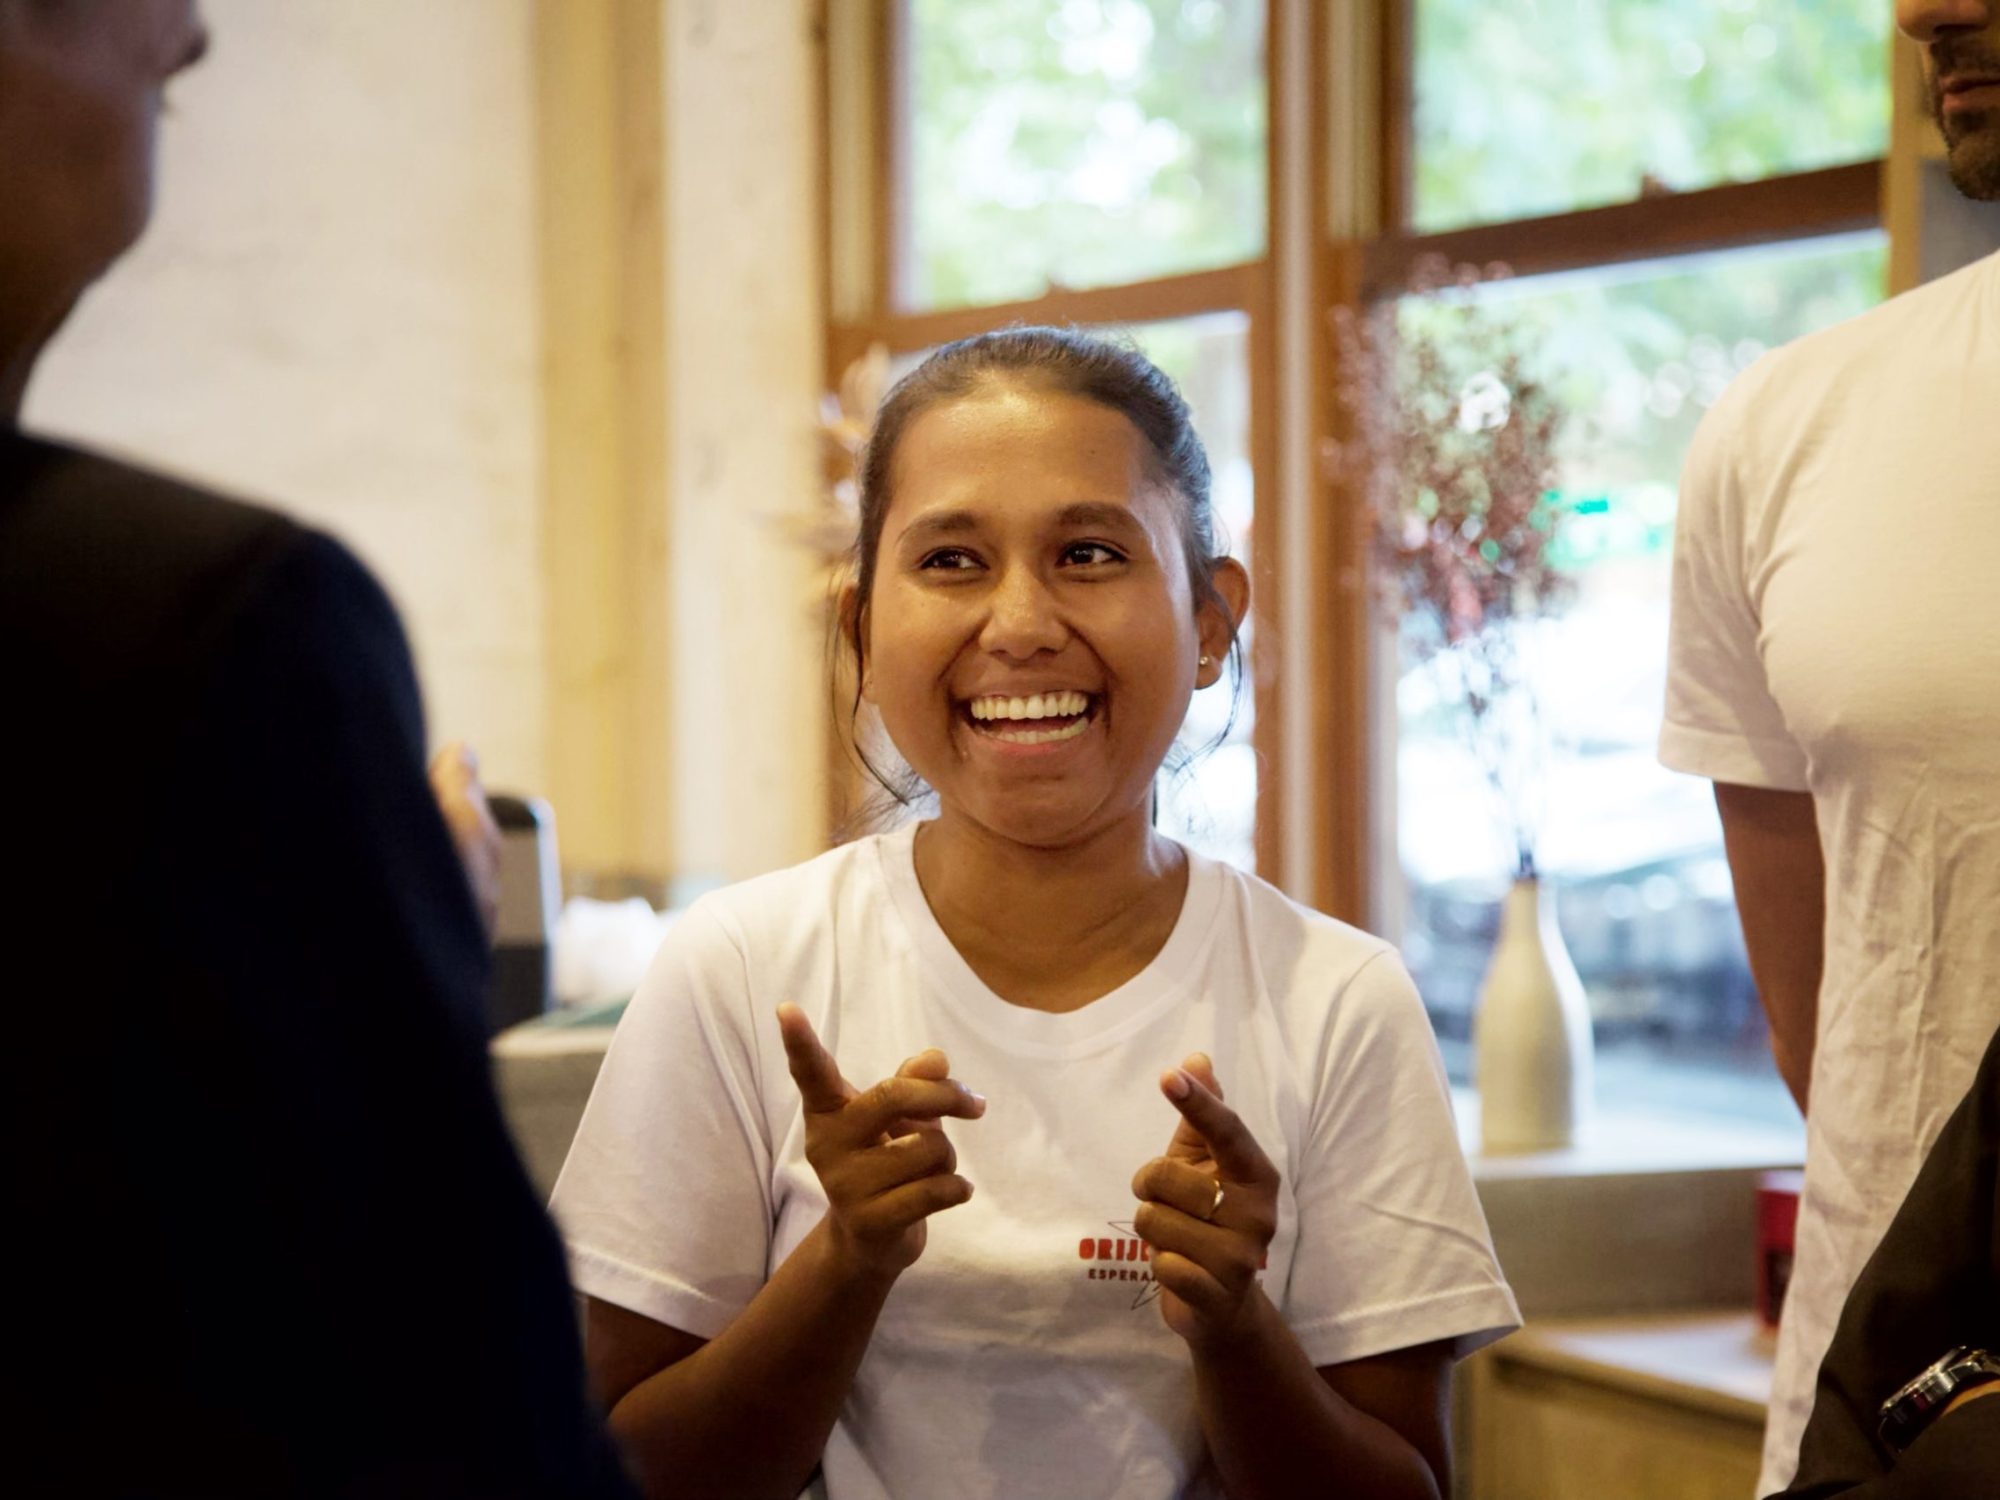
[338, 308]
[335, 311]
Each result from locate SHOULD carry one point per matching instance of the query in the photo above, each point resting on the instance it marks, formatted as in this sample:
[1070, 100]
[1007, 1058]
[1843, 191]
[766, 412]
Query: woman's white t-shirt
[1023, 1354]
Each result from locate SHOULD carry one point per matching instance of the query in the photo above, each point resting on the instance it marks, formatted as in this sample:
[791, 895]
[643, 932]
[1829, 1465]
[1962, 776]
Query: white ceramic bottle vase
[1532, 1033]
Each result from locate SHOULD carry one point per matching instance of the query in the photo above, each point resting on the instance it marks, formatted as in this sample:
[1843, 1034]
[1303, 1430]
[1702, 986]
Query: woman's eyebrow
[1098, 513]
[940, 523]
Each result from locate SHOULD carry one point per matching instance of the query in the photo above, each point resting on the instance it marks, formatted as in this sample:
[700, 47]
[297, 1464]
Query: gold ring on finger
[1215, 1207]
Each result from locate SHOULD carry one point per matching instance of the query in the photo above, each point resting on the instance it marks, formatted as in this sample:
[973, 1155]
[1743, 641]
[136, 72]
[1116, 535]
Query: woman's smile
[1032, 720]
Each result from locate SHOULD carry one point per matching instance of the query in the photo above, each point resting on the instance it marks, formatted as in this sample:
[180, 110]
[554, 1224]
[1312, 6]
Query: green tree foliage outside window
[1550, 105]
[1078, 143]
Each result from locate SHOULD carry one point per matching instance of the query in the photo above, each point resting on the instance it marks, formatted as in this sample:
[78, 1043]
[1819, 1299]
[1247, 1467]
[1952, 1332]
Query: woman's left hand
[1208, 1208]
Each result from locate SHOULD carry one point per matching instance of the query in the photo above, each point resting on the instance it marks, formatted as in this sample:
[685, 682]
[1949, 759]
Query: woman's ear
[853, 616]
[1217, 625]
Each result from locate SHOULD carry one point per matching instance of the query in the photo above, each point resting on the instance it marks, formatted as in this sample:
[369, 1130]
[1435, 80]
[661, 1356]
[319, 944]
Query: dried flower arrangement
[846, 417]
[1453, 444]
[846, 421]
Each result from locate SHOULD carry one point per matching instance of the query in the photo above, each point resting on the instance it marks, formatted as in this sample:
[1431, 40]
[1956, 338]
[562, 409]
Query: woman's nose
[1022, 617]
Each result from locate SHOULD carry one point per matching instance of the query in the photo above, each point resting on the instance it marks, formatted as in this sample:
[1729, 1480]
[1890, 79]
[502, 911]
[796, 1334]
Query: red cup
[1777, 1222]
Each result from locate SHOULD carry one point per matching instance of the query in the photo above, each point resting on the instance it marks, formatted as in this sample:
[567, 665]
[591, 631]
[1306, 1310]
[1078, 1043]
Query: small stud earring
[1203, 662]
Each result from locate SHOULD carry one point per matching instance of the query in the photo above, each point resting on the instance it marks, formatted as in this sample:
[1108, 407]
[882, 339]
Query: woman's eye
[949, 559]
[1091, 554]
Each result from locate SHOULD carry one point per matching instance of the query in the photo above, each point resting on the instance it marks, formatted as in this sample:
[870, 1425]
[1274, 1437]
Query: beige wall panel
[744, 373]
[602, 123]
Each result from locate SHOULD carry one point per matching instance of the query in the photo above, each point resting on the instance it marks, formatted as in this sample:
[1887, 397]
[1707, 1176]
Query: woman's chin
[1051, 823]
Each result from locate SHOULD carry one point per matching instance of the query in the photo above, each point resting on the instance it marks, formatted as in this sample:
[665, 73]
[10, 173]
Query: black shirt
[1932, 1284]
[270, 1234]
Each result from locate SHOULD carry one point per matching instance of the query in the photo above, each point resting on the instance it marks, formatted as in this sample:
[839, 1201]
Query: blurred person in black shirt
[269, 1234]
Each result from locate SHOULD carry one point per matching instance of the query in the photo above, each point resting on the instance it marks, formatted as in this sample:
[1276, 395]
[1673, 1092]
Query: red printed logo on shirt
[1122, 1256]
[1125, 1257]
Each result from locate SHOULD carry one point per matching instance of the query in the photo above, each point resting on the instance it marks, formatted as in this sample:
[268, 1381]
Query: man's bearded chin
[1973, 139]
[1974, 159]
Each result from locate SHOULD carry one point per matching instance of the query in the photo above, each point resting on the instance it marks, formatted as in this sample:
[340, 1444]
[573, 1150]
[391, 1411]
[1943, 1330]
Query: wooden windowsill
[1714, 1362]
[1621, 1143]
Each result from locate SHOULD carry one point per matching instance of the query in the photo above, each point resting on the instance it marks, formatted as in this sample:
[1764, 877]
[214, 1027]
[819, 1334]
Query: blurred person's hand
[462, 800]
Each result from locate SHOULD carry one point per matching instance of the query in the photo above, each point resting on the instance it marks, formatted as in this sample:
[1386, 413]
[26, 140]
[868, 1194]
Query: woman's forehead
[991, 442]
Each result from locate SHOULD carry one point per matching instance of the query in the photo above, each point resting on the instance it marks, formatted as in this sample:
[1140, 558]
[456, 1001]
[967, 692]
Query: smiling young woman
[1154, 1292]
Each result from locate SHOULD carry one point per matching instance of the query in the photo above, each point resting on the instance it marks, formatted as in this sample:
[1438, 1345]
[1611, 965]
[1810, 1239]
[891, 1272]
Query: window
[1082, 144]
[1632, 851]
[1210, 803]
[1523, 110]
[1677, 184]
[1680, 122]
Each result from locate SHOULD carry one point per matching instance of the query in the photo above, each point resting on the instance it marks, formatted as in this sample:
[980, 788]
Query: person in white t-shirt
[1834, 667]
[1100, 1278]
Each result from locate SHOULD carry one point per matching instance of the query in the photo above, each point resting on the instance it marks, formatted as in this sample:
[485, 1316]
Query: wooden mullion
[1262, 665]
[1346, 858]
[1801, 205]
[1344, 846]
[1263, 680]
[1396, 122]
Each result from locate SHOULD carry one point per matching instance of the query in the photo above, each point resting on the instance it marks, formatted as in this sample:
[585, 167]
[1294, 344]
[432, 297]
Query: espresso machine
[530, 901]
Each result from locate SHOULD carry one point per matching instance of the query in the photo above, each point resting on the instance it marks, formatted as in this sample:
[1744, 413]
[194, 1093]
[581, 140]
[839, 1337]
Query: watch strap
[1905, 1415]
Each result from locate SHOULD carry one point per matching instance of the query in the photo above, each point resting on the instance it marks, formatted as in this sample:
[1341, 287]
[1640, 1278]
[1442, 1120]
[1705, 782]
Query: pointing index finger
[812, 1066]
[1199, 1100]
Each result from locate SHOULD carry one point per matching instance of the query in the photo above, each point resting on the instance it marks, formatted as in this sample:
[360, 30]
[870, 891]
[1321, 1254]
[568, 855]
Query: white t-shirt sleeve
[1393, 1245]
[666, 1199]
[1721, 719]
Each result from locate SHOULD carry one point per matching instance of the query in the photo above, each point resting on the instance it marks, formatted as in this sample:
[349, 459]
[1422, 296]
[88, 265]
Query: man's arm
[1774, 858]
[1933, 1283]
[396, 1303]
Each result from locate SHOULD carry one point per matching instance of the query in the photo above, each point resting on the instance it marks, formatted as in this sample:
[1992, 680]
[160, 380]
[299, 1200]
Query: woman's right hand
[881, 1154]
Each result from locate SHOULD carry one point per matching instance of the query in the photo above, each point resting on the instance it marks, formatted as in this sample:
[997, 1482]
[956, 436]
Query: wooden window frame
[1786, 208]
[1309, 268]
[1735, 215]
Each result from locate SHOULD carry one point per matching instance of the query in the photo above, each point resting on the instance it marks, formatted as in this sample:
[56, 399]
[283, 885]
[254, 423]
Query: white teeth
[1035, 706]
[1059, 705]
[1042, 736]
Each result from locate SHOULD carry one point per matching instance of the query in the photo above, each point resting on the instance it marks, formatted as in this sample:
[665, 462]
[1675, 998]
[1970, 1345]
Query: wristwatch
[1905, 1415]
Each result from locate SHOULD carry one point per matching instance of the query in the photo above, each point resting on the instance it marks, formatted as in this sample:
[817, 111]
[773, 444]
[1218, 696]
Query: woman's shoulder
[806, 896]
[1274, 923]
[767, 937]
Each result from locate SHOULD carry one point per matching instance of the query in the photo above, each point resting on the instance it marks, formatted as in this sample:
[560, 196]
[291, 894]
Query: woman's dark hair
[1111, 372]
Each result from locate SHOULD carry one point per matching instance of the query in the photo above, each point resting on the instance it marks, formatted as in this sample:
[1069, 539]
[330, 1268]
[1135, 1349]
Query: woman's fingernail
[1176, 1083]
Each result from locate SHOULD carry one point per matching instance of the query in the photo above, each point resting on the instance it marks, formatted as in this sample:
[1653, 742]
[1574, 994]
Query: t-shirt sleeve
[666, 1199]
[1721, 720]
[1393, 1248]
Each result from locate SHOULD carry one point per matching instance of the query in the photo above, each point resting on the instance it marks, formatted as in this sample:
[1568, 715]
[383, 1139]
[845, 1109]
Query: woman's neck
[1052, 929]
